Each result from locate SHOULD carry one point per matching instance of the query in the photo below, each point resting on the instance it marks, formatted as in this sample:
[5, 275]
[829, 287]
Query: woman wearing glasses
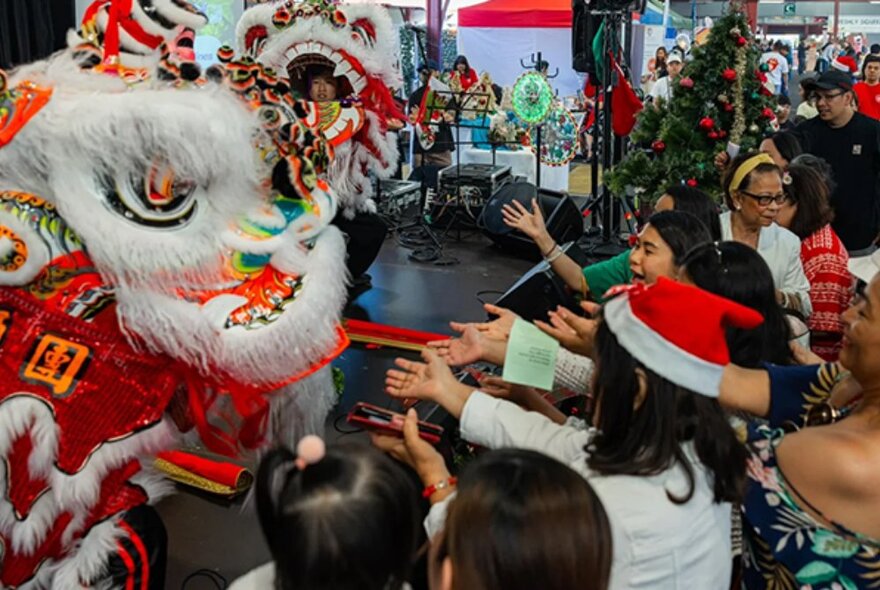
[753, 193]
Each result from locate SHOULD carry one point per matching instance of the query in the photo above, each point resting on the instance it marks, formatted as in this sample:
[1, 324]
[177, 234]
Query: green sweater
[606, 274]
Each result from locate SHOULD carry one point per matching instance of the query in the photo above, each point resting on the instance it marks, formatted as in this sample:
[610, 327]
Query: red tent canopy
[517, 14]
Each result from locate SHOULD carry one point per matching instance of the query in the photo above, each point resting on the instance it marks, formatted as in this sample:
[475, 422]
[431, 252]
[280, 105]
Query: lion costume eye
[157, 198]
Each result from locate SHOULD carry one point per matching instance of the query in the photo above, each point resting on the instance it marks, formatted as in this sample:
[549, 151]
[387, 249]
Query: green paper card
[531, 356]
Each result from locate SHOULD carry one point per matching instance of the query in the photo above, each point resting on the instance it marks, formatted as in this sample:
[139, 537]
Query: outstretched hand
[430, 380]
[461, 351]
[413, 451]
[528, 222]
[500, 327]
[574, 333]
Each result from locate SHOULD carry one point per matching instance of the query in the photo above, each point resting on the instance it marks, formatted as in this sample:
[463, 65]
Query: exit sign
[788, 9]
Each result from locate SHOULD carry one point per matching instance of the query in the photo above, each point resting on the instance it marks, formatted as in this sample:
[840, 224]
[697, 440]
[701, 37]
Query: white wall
[498, 52]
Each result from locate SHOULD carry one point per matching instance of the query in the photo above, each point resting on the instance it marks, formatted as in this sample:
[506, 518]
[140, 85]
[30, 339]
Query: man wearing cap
[663, 88]
[868, 90]
[850, 142]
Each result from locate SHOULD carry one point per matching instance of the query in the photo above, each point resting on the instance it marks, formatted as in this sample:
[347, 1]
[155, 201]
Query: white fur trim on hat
[658, 354]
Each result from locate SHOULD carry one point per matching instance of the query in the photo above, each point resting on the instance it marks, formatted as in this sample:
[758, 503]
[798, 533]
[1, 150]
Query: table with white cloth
[521, 162]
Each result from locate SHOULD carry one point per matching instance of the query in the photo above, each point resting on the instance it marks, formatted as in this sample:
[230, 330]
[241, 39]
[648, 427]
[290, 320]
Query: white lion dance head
[356, 46]
[164, 243]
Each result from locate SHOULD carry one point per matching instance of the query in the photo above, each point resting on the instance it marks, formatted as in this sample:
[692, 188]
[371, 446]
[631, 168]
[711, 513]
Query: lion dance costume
[166, 264]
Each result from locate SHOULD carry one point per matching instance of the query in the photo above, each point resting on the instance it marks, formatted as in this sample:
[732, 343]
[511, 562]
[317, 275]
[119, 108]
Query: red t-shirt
[869, 99]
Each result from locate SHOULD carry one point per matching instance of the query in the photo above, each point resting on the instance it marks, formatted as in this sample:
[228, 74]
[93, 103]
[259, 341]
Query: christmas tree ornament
[729, 74]
[767, 113]
[714, 135]
[532, 97]
[755, 96]
[753, 128]
[723, 99]
[707, 123]
[559, 139]
[728, 108]
[658, 146]
[722, 134]
[692, 182]
[735, 32]
[764, 67]
[741, 41]
[686, 82]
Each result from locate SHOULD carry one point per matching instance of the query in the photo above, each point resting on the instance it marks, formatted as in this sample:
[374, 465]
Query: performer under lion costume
[166, 261]
[356, 44]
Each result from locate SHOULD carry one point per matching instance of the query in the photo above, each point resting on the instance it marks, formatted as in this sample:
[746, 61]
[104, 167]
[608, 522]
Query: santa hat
[677, 331]
[845, 63]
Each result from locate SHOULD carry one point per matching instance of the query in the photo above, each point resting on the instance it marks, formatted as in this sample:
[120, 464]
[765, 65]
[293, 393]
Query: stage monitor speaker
[541, 290]
[561, 216]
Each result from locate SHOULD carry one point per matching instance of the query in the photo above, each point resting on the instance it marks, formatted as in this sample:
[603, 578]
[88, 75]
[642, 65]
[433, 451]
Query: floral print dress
[786, 547]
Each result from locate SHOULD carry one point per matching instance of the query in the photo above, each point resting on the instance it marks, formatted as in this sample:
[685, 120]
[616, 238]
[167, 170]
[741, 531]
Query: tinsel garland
[739, 106]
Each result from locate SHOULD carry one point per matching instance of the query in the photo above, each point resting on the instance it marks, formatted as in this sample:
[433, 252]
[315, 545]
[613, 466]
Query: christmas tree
[720, 98]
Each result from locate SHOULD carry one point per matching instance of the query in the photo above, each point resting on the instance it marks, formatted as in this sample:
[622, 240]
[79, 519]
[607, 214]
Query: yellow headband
[746, 168]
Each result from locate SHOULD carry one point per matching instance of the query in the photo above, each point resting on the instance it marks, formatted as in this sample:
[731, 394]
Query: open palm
[461, 351]
[528, 222]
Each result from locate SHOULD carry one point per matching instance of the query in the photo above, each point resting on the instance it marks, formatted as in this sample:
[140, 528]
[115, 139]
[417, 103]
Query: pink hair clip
[309, 451]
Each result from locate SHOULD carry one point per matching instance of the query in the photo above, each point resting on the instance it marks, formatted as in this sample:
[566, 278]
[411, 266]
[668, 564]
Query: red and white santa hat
[677, 331]
[845, 63]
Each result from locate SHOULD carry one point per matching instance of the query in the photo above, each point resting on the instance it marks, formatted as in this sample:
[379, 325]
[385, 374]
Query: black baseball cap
[830, 80]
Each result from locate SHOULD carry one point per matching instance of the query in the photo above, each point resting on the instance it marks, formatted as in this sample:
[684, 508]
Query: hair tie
[786, 178]
[309, 451]
[746, 168]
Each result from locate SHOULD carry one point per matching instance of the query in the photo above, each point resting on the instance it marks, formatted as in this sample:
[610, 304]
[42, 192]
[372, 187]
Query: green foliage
[689, 151]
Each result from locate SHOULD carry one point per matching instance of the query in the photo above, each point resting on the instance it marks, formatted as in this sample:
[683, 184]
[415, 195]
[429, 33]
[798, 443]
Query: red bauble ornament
[741, 41]
[722, 134]
[728, 107]
[767, 113]
[714, 135]
[686, 83]
[658, 146]
[691, 182]
[762, 77]
[707, 123]
[729, 74]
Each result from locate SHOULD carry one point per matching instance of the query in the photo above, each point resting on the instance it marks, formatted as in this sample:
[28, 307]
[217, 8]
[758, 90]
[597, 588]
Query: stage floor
[204, 533]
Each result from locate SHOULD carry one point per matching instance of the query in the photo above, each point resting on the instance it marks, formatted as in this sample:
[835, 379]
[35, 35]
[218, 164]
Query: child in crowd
[344, 518]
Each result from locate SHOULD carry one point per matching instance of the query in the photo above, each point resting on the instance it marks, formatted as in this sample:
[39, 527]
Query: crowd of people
[731, 363]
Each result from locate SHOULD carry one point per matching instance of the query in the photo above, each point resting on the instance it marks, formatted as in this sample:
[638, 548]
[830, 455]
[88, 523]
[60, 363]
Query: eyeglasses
[826, 97]
[765, 200]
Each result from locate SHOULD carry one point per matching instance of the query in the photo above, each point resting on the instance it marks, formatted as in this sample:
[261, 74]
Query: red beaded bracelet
[432, 489]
